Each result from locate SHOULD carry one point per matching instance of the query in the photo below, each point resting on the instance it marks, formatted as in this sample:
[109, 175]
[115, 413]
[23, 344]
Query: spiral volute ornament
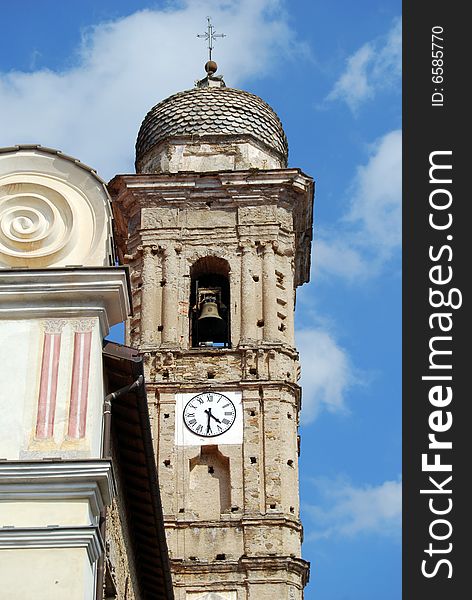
[54, 211]
[40, 222]
[34, 223]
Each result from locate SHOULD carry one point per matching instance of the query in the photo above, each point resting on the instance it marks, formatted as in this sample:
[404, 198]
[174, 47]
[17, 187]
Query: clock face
[209, 414]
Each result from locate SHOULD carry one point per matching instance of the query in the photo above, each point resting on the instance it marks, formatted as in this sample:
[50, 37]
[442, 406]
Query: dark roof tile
[223, 111]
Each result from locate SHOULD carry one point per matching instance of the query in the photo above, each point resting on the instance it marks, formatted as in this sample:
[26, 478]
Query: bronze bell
[209, 309]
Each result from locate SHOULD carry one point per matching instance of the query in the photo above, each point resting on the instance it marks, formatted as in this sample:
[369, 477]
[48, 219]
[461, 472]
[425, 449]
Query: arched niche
[210, 303]
[210, 484]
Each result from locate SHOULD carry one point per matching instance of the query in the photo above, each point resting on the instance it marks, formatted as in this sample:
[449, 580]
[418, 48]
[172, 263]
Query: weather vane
[210, 36]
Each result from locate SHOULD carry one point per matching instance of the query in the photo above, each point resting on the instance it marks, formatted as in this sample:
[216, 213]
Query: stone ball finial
[211, 67]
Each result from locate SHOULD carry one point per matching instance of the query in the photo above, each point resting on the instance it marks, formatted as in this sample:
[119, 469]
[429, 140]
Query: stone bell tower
[217, 230]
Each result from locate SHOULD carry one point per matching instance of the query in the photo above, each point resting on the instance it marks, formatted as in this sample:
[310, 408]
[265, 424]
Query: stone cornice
[54, 537]
[249, 564]
[242, 521]
[264, 563]
[289, 187]
[59, 480]
[217, 352]
[101, 292]
[217, 384]
[199, 182]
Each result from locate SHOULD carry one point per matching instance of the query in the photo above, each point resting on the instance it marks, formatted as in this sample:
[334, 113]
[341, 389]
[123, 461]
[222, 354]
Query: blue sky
[81, 76]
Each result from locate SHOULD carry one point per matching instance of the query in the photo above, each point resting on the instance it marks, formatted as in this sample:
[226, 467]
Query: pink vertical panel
[80, 382]
[48, 385]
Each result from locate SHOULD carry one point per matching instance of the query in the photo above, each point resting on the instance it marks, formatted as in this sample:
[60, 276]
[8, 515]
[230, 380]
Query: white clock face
[209, 414]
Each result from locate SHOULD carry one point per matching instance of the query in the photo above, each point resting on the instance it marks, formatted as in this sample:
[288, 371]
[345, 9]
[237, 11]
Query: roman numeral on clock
[205, 416]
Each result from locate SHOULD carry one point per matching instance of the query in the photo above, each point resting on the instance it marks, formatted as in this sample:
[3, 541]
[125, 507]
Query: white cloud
[375, 66]
[369, 234]
[326, 373]
[376, 203]
[347, 511]
[93, 110]
[334, 254]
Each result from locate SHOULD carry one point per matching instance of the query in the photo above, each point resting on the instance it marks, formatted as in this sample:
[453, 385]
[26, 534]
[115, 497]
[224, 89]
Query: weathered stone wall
[120, 561]
[195, 154]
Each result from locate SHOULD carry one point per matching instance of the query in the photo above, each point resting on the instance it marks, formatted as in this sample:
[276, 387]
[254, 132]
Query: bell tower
[217, 231]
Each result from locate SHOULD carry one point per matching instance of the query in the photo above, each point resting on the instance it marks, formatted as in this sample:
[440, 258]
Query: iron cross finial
[210, 36]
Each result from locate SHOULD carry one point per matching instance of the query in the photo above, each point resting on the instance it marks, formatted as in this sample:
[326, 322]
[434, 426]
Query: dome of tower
[211, 120]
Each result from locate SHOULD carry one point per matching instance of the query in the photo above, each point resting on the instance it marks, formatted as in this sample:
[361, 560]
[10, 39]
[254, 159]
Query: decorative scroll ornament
[54, 211]
[54, 325]
[84, 325]
[35, 221]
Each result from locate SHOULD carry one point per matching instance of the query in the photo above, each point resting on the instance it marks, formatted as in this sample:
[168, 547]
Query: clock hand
[208, 412]
[212, 416]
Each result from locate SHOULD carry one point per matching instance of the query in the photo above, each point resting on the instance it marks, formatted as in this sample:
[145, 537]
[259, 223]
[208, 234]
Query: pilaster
[248, 295]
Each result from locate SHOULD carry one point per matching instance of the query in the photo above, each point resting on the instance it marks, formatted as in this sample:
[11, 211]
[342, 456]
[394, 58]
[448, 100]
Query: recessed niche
[210, 485]
[260, 323]
[167, 462]
[253, 460]
[290, 462]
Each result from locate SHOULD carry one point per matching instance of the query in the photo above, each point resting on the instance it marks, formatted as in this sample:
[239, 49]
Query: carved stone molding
[54, 325]
[52, 212]
[60, 537]
[83, 325]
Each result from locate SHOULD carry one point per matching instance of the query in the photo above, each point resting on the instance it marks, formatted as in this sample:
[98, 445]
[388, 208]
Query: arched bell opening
[210, 303]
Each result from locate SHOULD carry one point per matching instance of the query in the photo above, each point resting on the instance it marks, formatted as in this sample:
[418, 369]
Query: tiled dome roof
[212, 111]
